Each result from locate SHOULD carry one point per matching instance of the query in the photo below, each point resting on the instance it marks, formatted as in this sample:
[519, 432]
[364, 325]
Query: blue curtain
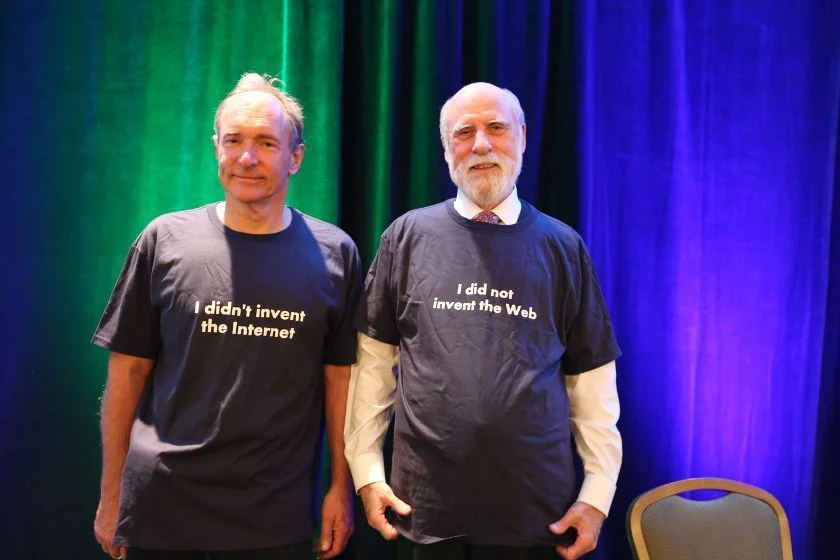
[708, 142]
[693, 143]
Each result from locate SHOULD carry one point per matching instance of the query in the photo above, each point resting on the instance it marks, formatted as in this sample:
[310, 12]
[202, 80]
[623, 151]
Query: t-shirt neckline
[526, 217]
[265, 237]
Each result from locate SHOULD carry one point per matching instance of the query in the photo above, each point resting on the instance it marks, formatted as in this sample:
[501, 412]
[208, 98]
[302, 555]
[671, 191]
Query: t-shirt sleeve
[376, 315]
[340, 342]
[131, 321]
[590, 340]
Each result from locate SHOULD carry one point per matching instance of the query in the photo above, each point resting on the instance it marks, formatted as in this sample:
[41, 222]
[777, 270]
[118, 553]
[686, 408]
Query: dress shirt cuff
[367, 468]
[597, 491]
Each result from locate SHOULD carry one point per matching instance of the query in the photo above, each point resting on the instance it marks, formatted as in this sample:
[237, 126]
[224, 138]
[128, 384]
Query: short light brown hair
[252, 81]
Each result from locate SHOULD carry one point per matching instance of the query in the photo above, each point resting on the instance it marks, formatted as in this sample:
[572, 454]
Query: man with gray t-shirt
[231, 338]
[506, 351]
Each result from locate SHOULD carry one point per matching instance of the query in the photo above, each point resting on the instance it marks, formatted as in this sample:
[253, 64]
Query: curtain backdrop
[709, 140]
[693, 144]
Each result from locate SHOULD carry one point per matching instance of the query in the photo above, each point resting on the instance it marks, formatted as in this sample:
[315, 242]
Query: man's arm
[337, 509]
[127, 377]
[371, 399]
[593, 413]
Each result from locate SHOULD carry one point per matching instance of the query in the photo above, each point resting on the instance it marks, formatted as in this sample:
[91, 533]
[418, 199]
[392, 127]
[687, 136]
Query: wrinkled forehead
[479, 105]
[254, 109]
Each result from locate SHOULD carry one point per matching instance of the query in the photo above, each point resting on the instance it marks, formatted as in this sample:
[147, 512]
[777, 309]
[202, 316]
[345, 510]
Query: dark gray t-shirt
[489, 318]
[223, 449]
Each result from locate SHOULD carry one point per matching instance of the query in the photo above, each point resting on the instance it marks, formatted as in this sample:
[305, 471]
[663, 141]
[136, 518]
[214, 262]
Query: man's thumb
[559, 527]
[398, 505]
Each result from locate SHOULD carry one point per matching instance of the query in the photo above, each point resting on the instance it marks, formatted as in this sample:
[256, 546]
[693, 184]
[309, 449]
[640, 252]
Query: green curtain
[108, 110]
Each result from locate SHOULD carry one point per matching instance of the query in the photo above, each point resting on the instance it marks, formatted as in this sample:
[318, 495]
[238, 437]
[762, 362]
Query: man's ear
[446, 155]
[522, 132]
[297, 159]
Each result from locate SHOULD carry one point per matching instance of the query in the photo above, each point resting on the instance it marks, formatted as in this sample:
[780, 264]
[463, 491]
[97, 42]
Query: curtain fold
[826, 489]
[694, 146]
[709, 142]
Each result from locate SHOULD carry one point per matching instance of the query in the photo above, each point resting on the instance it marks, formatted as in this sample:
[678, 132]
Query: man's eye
[267, 144]
[462, 133]
[229, 141]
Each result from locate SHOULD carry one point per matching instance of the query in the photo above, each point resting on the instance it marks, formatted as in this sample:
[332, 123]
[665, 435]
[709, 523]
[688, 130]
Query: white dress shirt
[593, 403]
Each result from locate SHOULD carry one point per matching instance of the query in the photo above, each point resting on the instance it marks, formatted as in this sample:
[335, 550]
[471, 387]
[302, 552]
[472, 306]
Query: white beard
[491, 188]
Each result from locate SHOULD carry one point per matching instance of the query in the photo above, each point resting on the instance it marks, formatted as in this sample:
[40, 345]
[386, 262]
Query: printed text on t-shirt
[486, 304]
[238, 327]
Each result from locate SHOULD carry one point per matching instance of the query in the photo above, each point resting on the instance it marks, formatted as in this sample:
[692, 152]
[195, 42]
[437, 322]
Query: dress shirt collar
[507, 210]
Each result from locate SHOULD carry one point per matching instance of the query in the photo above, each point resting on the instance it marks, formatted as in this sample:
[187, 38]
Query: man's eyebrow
[261, 136]
[493, 122]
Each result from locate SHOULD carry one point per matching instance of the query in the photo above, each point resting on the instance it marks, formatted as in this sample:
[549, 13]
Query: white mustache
[476, 159]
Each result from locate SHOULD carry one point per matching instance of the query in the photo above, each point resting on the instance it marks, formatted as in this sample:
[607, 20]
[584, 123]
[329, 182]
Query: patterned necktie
[487, 217]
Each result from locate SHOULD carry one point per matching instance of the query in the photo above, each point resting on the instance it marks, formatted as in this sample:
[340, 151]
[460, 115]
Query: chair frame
[641, 503]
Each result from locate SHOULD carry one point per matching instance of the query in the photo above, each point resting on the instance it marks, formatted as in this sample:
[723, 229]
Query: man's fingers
[559, 527]
[103, 529]
[388, 532]
[340, 536]
[107, 547]
[398, 505]
[329, 552]
[325, 542]
[378, 521]
[575, 551]
[567, 552]
[586, 522]
[581, 546]
[377, 498]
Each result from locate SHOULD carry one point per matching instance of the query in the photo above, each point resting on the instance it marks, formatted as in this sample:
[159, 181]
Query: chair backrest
[746, 523]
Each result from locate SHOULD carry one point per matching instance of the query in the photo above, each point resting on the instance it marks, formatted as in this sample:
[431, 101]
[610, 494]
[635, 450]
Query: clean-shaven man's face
[253, 149]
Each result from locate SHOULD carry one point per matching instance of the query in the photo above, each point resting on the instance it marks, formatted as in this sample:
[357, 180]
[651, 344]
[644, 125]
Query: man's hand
[105, 525]
[587, 520]
[336, 521]
[377, 497]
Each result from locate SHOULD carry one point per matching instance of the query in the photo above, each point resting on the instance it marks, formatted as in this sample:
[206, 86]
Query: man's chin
[247, 194]
[483, 195]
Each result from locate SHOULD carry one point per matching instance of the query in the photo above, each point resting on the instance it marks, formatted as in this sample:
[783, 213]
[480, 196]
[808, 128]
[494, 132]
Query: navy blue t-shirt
[223, 449]
[489, 318]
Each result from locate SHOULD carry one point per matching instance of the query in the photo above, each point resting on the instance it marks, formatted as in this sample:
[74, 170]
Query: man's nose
[248, 158]
[482, 143]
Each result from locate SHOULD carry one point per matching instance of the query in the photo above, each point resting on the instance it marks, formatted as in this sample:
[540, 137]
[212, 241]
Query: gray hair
[252, 81]
[518, 113]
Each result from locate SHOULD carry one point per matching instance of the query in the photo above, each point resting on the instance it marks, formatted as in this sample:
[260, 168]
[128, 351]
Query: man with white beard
[505, 352]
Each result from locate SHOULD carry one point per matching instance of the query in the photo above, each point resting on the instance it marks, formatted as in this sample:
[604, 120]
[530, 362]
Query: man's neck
[489, 206]
[507, 208]
[254, 218]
